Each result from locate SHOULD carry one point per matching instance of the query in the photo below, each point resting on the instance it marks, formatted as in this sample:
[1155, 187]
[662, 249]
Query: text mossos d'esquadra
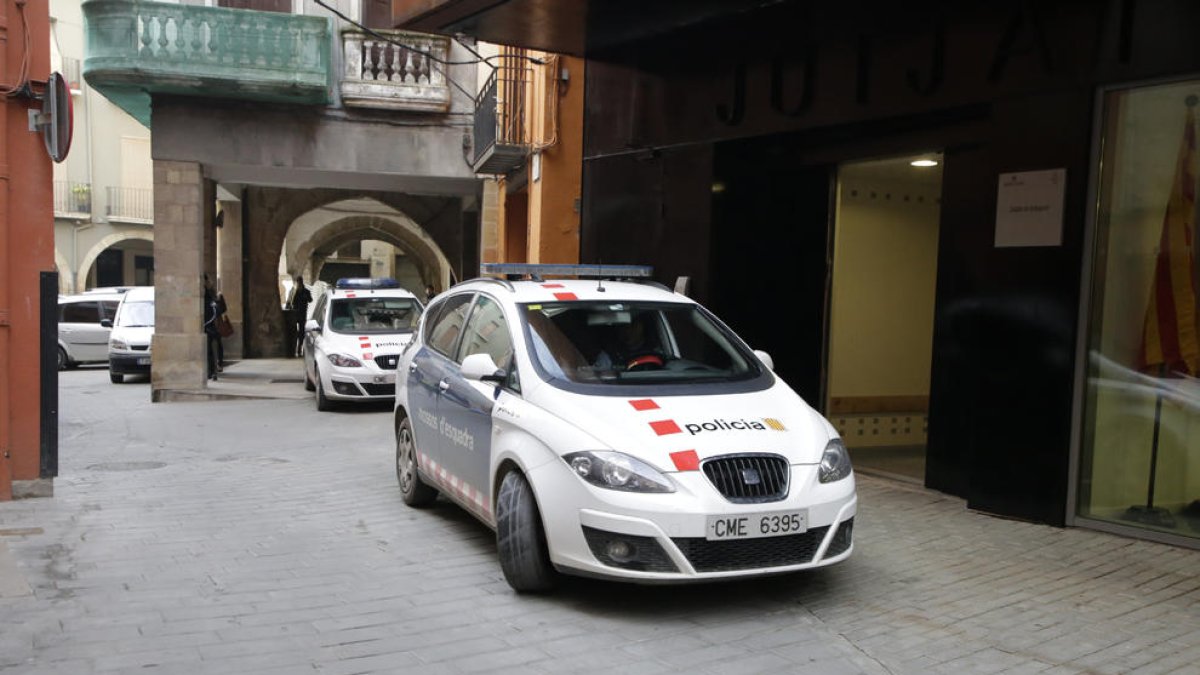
[457, 436]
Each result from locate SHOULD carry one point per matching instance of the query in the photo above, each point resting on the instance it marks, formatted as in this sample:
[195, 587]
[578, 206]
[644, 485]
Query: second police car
[615, 429]
[352, 342]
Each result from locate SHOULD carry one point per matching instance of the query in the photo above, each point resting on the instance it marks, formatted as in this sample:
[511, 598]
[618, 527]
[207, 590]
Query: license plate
[756, 525]
[143, 360]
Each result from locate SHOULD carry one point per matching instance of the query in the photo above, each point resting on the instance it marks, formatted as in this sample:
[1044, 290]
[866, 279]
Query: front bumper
[368, 383]
[129, 363]
[666, 532]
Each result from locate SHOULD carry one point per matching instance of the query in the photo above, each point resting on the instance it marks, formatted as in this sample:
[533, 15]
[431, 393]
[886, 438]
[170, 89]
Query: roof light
[579, 271]
[363, 283]
[924, 163]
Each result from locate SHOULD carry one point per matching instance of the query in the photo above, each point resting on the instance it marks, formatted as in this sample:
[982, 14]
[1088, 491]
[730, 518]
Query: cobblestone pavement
[264, 537]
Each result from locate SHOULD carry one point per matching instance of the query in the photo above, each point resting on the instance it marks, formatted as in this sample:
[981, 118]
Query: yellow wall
[884, 274]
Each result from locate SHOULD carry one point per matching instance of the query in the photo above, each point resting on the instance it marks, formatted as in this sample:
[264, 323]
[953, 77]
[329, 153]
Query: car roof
[554, 290]
[339, 293]
[138, 293]
[90, 296]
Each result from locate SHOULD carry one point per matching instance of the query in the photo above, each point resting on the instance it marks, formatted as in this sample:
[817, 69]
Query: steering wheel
[645, 361]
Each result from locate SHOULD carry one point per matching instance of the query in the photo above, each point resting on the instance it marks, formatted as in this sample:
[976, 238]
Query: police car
[615, 429]
[353, 341]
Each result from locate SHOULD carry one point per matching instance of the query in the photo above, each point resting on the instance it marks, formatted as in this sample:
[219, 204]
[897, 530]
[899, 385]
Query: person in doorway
[301, 298]
[212, 340]
[429, 293]
[224, 330]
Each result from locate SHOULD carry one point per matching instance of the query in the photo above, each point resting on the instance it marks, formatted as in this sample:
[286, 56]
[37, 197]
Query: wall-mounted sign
[1029, 208]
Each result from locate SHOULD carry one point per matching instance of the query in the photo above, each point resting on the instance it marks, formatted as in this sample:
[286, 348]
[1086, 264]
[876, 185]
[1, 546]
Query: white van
[132, 330]
[82, 336]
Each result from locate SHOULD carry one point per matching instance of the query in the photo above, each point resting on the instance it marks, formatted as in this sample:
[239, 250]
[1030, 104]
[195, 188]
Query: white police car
[352, 342]
[615, 429]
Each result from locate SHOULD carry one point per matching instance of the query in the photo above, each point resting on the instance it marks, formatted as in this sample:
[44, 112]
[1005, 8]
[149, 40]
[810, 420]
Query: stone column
[179, 238]
[229, 274]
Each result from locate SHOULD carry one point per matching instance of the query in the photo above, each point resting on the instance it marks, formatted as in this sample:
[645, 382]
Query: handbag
[224, 326]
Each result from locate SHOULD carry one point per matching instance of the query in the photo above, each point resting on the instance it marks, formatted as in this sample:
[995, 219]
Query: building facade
[966, 229]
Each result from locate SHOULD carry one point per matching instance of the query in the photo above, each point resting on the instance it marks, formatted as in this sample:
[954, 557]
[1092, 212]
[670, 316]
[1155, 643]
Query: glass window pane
[487, 333]
[443, 336]
[1140, 456]
[81, 312]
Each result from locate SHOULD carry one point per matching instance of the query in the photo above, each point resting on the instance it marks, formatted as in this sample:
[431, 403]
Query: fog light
[619, 551]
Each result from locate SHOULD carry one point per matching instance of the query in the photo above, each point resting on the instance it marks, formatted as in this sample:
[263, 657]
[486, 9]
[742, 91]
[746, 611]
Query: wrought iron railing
[131, 203]
[502, 134]
[402, 73]
[71, 198]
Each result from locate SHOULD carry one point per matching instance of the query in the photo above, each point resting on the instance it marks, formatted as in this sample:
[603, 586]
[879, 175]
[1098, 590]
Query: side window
[319, 310]
[442, 334]
[81, 312]
[487, 333]
[109, 307]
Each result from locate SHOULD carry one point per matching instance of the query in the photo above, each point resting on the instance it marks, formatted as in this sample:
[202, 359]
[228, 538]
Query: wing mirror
[311, 325]
[766, 359]
[107, 323]
[481, 367]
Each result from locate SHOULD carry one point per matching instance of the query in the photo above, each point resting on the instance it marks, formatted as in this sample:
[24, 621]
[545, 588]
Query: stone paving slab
[263, 537]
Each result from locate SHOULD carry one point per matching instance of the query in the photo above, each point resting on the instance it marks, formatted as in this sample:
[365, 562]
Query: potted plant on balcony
[81, 198]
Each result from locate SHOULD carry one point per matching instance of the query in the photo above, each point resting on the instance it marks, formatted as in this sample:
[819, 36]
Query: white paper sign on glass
[1029, 208]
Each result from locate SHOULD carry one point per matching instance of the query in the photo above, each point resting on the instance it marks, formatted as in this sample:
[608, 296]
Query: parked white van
[82, 335]
[132, 330]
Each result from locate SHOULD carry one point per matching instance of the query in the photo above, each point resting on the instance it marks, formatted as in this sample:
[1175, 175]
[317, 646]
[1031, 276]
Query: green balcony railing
[136, 49]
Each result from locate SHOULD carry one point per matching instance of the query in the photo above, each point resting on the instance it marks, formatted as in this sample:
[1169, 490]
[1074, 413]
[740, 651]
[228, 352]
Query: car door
[310, 348]
[466, 405]
[79, 327]
[427, 370]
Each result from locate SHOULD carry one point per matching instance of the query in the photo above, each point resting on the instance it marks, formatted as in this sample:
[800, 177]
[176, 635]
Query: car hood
[367, 345]
[132, 335]
[651, 428]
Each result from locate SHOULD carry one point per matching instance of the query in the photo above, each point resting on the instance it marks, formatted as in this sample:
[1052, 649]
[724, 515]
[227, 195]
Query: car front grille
[749, 479]
[140, 348]
[387, 361]
[746, 554]
[379, 389]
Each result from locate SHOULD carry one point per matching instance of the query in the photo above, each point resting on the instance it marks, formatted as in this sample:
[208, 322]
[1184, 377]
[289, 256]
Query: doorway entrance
[880, 341]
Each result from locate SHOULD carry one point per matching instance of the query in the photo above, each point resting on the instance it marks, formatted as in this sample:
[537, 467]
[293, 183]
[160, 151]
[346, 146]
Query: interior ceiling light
[924, 163]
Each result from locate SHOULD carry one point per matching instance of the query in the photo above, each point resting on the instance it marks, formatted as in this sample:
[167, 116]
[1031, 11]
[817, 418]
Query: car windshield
[374, 315]
[629, 343]
[136, 314]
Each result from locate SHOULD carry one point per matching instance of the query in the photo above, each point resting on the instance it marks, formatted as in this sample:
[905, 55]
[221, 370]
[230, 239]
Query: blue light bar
[579, 271]
[363, 283]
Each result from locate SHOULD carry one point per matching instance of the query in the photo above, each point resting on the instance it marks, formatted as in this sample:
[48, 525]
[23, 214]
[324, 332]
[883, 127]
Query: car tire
[64, 361]
[308, 383]
[115, 378]
[520, 537]
[416, 492]
[323, 403]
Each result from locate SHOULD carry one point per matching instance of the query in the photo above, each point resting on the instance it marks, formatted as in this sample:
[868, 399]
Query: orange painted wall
[26, 244]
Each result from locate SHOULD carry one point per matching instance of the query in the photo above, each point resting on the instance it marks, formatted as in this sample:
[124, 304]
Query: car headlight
[617, 471]
[118, 344]
[835, 463]
[343, 361]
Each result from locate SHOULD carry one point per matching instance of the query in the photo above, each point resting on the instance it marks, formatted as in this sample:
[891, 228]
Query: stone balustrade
[400, 73]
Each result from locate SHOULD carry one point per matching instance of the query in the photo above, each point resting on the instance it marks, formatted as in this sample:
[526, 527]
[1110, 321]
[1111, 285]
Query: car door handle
[444, 385]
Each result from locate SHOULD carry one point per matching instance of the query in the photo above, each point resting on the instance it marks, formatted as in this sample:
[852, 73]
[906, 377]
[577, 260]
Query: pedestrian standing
[299, 305]
[212, 340]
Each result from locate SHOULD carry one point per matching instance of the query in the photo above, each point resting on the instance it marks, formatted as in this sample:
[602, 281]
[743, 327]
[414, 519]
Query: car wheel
[115, 378]
[308, 383]
[323, 404]
[415, 491]
[520, 538]
[63, 361]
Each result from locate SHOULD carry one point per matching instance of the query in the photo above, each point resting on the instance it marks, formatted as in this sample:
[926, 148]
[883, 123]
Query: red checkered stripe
[364, 343]
[560, 295]
[685, 460]
[451, 484]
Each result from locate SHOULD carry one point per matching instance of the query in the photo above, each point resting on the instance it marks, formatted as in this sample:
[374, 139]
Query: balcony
[131, 205]
[501, 137]
[136, 49]
[382, 74]
[72, 200]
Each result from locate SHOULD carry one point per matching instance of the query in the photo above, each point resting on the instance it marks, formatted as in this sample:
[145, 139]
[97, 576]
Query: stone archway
[90, 259]
[337, 223]
[65, 278]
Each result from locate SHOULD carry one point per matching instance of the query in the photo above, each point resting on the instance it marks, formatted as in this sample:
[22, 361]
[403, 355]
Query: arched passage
[85, 266]
[321, 231]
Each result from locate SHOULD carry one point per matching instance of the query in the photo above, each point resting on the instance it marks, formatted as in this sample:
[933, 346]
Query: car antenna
[599, 277]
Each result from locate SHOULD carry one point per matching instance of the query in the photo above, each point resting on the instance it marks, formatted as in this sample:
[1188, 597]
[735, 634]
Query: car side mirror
[766, 359]
[481, 367]
[107, 323]
[311, 325]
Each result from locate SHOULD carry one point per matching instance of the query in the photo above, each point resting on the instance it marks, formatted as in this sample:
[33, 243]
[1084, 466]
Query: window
[109, 307]
[487, 333]
[80, 312]
[443, 333]
[374, 315]
[135, 314]
[1140, 451]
